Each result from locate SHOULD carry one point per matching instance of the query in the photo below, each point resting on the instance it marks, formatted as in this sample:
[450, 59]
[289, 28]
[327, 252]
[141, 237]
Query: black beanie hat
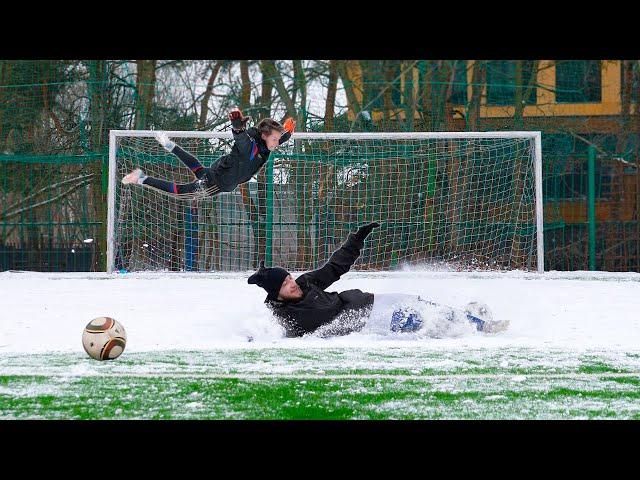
[269, 278]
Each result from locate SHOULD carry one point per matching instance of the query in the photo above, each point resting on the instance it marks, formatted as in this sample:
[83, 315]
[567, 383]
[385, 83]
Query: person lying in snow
[302, 306]
[251, 149]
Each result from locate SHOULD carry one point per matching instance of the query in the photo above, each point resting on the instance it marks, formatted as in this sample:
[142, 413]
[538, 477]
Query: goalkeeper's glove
[164, 141]
[365, 230]
[238, 121]
[289, 126]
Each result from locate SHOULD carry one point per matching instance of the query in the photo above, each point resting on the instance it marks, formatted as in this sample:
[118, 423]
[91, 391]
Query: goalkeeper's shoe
[165, 141]
[495, 326]
[135, 177]
[479, 310]
[479, 314]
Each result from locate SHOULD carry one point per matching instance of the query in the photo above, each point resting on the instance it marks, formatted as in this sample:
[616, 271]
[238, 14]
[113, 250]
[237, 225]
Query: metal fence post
[591, 206]
[269, 219]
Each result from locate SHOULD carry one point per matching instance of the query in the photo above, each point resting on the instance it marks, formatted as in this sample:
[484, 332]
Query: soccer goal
[448, 200]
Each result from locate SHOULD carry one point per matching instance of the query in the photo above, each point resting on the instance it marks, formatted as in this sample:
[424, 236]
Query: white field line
[517, 377]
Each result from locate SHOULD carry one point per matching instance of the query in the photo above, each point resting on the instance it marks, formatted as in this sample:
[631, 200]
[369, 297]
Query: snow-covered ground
[42, 312]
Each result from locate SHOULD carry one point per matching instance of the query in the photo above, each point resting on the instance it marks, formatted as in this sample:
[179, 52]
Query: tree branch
[45, 202]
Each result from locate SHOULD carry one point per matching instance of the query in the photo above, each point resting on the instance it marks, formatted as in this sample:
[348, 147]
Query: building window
[565, 167]
[578, 81]
[501, 82]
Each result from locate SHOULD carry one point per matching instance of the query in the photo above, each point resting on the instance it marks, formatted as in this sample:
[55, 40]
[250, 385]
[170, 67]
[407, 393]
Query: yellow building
[583, 93]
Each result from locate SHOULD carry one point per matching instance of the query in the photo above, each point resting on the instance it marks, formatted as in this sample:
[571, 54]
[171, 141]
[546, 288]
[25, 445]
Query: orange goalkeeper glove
[289, 125]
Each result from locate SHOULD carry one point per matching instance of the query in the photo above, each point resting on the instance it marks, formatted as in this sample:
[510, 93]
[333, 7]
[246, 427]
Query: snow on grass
[573, 350]
[47, 312]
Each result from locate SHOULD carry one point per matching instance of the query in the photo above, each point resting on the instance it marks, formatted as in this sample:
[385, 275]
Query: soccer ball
[104, 338]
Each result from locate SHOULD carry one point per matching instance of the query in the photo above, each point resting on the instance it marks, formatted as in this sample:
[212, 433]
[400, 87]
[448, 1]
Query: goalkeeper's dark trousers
[203, 178]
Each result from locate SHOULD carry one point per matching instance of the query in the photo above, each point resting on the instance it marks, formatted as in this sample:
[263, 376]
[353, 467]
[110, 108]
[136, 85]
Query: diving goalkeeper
[249, 153]
[302, 306]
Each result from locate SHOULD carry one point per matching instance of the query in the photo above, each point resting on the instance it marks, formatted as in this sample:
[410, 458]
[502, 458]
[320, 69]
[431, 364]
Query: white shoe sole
[496, 326]
[132, 178]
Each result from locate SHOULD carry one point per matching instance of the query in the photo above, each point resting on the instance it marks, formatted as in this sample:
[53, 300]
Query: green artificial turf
[319, 383]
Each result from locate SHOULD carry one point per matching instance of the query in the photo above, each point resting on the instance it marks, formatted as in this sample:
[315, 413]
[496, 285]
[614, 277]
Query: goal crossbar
[339, 136]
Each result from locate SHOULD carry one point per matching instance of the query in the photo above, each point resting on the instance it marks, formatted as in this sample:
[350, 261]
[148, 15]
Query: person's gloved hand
[365, 230]
[289, 125]
[238, 122]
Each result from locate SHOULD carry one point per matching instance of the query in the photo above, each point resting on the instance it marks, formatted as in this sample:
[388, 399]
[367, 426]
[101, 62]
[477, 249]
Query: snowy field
[572, 350]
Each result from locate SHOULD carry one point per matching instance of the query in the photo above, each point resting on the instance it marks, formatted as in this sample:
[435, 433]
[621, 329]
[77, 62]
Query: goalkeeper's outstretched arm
[341, 260]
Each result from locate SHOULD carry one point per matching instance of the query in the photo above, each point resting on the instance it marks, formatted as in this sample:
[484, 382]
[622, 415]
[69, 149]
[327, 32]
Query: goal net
[462, 201]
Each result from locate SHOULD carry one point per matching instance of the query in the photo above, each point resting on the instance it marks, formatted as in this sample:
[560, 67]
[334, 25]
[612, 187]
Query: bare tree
[145, 88]
[300, 84]
[330, 105]
[524, 87]
[4, 67]
[270, 69]
[389, 74]
[625, 119]
[264, 110]
[409, 99]
[204, 103]
[99, 91]
[347, 83]
[245, 95]
[478, 80]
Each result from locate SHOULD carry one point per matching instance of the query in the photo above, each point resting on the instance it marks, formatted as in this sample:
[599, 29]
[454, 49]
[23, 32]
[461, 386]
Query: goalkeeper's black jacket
[317, 307]
[248, 154]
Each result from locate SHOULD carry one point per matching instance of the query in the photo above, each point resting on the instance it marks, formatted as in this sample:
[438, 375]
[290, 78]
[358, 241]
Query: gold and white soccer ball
[104, 338]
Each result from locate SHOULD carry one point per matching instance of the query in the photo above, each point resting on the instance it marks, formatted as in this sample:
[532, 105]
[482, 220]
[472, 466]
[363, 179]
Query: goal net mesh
[448, 203]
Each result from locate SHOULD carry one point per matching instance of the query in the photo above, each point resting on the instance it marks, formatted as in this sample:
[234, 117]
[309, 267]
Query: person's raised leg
[137, 177]
[172, 187]
[190, 161]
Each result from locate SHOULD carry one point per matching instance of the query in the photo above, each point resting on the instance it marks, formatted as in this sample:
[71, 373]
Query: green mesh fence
[55, 116]
[51, 214]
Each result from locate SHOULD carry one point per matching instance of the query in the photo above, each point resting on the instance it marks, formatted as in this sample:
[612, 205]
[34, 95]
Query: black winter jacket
[317, 307]
[248, 154]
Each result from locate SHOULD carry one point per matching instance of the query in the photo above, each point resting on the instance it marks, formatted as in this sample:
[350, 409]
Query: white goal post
[461, 200]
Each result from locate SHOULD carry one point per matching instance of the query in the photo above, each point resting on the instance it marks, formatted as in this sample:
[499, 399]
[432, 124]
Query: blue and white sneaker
[405, 320]
[495, 326]
[479, 310]
[479, 314]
